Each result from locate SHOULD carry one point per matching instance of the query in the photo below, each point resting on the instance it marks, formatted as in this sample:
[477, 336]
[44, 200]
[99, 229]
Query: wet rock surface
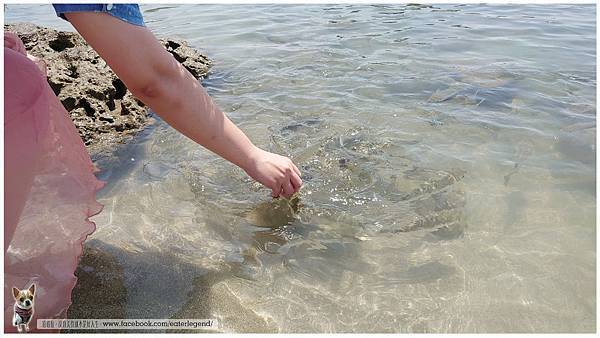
[102, 108]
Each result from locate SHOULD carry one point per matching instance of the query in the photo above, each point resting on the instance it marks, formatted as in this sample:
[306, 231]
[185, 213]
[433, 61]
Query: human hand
[276, 172]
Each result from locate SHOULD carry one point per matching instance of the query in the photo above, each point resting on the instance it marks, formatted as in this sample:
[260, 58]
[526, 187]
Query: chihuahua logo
[23, 307]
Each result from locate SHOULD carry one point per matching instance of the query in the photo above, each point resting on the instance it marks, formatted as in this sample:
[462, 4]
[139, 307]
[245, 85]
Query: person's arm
[157, 79]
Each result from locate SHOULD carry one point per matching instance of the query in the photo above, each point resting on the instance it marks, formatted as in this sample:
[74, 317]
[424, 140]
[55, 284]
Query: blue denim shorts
[127, 12]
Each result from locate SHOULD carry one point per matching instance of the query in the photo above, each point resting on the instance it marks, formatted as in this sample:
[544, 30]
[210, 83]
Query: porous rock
[102, 108]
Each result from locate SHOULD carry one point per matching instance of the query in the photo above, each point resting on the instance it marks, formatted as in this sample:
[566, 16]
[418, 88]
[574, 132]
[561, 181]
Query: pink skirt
[50, 190]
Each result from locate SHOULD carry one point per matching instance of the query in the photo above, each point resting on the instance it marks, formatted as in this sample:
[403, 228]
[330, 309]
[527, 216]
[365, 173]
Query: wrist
[250, 157]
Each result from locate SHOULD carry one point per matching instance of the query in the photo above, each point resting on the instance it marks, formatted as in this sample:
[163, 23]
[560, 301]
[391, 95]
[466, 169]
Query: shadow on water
[116, 283]
[281, 235]
[117, 164]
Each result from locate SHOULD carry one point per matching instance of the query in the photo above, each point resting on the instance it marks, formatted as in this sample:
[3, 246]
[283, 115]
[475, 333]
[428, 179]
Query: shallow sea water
[448, 158]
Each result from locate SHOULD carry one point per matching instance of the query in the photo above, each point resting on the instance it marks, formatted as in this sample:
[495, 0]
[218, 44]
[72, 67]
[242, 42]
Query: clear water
[449, 163]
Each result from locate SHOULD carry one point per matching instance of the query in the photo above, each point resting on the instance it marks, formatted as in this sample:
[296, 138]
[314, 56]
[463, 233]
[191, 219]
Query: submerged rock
[350, 172]
[102, 108]
[492, 86]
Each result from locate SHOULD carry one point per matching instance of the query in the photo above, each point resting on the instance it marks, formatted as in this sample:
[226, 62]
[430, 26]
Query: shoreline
[104, 111]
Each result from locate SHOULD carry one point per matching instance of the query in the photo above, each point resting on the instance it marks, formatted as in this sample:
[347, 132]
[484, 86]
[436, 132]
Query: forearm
[157, 79]
[185, 105]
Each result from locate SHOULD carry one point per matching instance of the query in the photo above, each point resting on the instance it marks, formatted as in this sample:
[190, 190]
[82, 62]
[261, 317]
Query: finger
[296, 170]
[288, 190]
[275, 192]
[296, 182]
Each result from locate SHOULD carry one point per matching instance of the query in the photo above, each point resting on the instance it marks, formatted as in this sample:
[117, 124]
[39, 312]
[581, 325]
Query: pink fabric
[49, 189]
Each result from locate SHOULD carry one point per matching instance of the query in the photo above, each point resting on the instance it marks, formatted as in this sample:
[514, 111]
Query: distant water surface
[448, 155]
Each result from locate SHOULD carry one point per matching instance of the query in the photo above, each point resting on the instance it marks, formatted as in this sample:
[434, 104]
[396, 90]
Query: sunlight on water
[448, 155]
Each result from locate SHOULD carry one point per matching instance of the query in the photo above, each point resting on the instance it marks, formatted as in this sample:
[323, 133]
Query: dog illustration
[23, 307]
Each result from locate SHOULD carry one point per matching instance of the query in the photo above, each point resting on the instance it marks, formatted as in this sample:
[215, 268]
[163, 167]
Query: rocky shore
[103, 110]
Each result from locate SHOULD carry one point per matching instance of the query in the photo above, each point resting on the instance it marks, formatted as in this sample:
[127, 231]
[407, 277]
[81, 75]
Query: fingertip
[296, 182]
[288, 189]
[297, 170]
[276, 193]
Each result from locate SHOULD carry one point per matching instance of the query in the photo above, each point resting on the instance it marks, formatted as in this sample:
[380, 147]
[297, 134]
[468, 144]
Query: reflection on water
[448, 155]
